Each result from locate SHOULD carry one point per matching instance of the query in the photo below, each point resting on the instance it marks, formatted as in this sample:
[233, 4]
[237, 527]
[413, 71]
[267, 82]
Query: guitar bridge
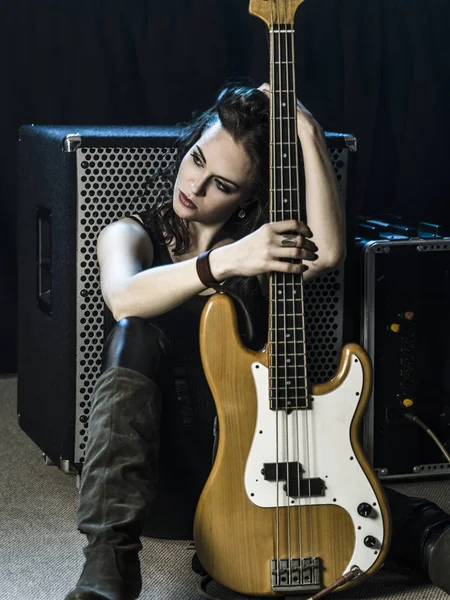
[296, 575]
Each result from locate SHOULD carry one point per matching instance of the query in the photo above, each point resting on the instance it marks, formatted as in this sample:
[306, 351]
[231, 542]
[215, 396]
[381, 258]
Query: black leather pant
[136, 344]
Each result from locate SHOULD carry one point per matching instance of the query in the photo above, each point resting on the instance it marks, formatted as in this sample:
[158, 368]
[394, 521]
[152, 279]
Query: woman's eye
[197, 159]
[222, 187]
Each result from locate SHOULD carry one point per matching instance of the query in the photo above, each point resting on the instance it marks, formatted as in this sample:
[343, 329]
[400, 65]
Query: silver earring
[242, 213]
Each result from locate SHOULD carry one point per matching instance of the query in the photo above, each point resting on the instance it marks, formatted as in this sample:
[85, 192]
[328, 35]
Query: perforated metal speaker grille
[111, 182]
[323, 310]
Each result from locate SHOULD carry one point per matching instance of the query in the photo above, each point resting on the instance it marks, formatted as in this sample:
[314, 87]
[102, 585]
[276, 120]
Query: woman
[157, 270]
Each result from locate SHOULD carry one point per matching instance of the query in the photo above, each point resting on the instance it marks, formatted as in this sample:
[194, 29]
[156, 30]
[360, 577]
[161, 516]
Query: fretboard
[287, 372]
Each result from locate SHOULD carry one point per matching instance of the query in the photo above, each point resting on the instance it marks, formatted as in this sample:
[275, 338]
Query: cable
[352, 574]
[416, 420]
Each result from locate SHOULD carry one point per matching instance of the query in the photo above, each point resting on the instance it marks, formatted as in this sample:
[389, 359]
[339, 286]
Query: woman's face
[213, 178]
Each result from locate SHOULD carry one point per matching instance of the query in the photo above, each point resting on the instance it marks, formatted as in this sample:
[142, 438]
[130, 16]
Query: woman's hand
[270, 248]
[305, 119]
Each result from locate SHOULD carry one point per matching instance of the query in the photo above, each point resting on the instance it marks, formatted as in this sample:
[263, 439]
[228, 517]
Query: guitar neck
[287, 342]
[284, 155]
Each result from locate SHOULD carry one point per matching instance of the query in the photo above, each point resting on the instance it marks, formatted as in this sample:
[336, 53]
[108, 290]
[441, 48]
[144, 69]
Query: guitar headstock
[275, 12]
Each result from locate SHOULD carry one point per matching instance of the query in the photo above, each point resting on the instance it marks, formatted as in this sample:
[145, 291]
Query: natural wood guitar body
[236, 540]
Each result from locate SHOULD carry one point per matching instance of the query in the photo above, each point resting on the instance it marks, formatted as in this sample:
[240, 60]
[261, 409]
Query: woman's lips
[185, 200]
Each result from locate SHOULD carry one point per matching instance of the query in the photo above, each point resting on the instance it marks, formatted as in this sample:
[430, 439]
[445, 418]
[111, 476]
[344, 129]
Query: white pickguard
[322, 446]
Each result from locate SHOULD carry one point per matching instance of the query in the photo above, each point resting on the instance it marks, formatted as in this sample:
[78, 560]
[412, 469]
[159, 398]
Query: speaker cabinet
[72, 182]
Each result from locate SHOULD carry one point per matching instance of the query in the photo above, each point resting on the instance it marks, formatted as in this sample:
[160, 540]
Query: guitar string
[274, 305]
[283, 70]
[308, 411]
[291, 120]
[283, 277]
[290, 64]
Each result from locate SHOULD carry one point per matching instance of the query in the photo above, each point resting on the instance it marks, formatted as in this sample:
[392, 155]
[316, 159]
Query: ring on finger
[289, 240]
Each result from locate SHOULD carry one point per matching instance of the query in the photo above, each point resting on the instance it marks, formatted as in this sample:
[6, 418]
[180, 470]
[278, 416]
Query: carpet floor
[41, 549]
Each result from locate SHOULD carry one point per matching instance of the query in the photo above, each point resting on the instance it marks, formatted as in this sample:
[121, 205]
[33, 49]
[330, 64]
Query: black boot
[420, 537]
[119, 477]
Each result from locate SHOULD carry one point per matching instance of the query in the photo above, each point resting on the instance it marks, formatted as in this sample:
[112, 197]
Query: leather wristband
[204, 270]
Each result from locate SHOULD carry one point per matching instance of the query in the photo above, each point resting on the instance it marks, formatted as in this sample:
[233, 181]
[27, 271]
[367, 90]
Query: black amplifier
[405, 327]
[73, 181]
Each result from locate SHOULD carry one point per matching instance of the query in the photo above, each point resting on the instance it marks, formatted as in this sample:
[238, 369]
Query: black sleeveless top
[188, 409]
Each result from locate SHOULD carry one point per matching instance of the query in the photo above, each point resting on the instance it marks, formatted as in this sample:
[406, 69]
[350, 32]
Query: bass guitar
[292, 505]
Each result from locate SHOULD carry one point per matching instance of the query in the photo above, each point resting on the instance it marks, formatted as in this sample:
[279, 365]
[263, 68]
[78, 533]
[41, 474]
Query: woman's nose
[198, 187]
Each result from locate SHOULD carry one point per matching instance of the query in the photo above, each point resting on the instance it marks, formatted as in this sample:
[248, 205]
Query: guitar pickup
[291, 473]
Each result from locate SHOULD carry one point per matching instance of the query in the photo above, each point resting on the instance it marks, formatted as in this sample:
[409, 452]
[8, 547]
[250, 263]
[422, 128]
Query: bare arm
[324, 207]
[131, 288]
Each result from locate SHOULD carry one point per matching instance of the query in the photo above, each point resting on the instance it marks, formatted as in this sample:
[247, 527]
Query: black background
[378, 69]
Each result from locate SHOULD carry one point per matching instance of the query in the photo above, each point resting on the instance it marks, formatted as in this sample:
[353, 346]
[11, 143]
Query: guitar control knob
[370, 541]
[364, 509]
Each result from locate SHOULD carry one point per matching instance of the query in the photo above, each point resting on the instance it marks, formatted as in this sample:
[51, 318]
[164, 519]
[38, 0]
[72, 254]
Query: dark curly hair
[244, 113]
